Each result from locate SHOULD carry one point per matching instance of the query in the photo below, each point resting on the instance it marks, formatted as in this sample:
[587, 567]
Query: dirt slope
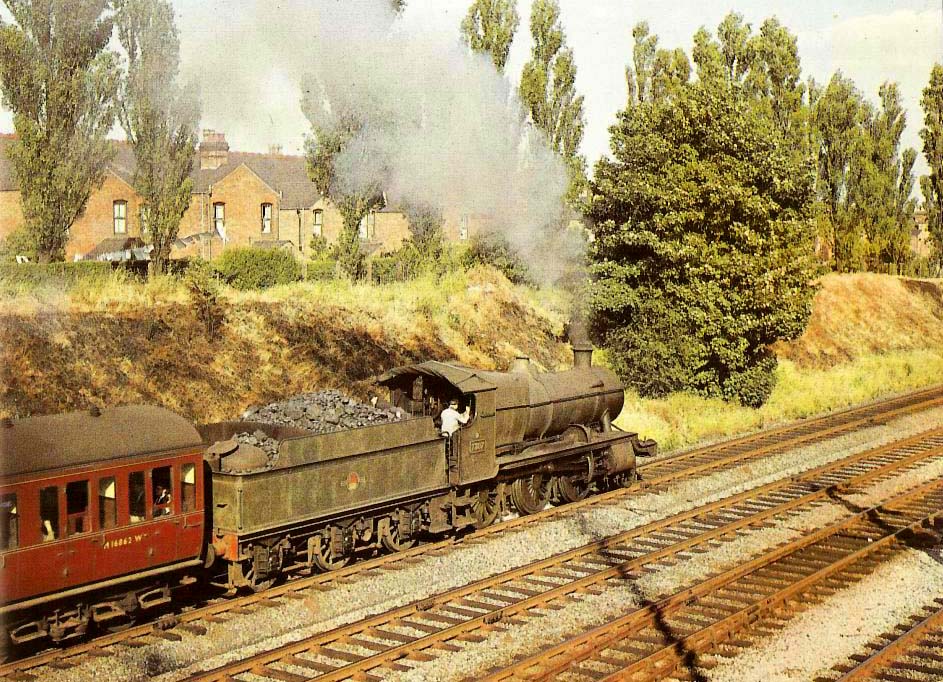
[69, 356]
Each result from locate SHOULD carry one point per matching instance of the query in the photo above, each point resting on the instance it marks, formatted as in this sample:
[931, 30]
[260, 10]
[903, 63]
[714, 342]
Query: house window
[463, 228]
[266, 219]
[318, 228]
[9, 522]
[368, 226]
[121, 217]
[219, 219]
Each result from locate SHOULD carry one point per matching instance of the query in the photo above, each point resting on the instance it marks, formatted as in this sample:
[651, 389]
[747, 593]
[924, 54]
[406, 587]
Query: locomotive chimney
[521, 365]
[582, 355]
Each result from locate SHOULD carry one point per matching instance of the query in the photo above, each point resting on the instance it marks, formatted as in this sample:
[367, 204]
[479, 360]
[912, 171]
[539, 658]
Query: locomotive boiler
[104, 513]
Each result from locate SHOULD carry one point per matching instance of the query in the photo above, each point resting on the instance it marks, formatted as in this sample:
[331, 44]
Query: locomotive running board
[547, 451]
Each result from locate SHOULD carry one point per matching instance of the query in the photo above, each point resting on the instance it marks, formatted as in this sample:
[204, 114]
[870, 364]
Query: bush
[54, 275]
[494, 250]
[256, 268]
[200, 281]
[323, 269]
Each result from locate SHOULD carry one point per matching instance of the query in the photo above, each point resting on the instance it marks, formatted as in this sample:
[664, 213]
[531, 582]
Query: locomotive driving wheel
[485, 507]
[572, 488]
[531, 493]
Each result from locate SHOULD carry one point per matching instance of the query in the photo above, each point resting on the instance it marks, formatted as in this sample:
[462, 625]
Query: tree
[548, 90]
[932, 135]
[704, 248]
[489, 27]
[59, 81]
[657, 73]
[159, 119]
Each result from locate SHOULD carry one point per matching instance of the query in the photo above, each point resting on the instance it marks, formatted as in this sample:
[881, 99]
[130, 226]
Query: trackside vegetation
[704, 243]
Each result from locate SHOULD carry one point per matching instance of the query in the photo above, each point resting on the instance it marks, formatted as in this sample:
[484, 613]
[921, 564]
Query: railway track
[913, 652]
[673, 637]
[369, 649]
[656, 475]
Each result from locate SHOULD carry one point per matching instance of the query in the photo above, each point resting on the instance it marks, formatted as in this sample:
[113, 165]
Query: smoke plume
[439, 126]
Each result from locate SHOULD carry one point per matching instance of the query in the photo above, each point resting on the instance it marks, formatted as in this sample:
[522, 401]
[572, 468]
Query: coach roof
[60, 441]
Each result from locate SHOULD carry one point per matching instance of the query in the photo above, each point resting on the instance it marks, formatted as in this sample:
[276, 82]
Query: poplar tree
[932, 185]
[548, 91]
[60, 81]
[159, 118]
[489, 27]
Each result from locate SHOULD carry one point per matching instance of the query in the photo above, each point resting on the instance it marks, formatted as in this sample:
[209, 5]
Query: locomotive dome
[59, 441]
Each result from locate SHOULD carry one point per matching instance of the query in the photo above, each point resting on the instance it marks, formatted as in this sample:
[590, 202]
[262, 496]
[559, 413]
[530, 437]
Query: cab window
[107, 503]
[77, 508]
[9, 522]
[137, 497]
[49, 513]
[162, 489]
[188, 487]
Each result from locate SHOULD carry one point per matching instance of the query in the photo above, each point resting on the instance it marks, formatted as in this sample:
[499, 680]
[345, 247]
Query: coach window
[188, 487]
[107, 504]
[49, 513]
[77, 508]
[9, 523]
[162, 483]
[137, 497]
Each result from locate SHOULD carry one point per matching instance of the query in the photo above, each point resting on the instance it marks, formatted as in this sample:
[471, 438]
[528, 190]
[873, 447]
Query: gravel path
[168, 661]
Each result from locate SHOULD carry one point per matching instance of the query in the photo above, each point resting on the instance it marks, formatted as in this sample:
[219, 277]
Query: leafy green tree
[59, 80]
[159, 119]
[489, 27]
[703, 255]
[932, 135]
[548, 90]
[656, 73]
[425, 226]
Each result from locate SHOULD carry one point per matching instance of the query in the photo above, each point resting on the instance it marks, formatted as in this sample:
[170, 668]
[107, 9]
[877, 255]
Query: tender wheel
[324, 559]
[485, 508]
[531, 493]
[392, 539]
[572, 488]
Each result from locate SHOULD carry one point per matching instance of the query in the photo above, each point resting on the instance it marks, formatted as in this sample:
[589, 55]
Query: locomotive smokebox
[582, 355]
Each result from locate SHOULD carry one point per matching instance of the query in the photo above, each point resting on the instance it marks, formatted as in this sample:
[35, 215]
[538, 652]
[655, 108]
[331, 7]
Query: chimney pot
[94, 411]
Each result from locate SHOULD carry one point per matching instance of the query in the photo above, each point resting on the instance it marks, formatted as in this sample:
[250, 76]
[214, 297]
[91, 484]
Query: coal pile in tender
[260, 440]
[321, 412]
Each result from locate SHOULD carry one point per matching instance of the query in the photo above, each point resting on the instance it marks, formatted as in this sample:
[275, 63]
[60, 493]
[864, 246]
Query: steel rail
[463, 613]
[850, 419]
[921, 640]
[734, 600]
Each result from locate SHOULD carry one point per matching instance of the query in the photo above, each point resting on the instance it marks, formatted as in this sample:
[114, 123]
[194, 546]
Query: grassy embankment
[869, 336]
[115, 341]
[112, 342]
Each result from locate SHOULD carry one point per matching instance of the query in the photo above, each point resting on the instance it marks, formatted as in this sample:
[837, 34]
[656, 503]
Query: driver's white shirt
[452, 420]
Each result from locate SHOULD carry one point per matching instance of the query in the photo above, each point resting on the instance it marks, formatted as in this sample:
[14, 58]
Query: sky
[253, 95]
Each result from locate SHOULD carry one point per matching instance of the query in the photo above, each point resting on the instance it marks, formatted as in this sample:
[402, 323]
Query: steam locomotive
[104, 513]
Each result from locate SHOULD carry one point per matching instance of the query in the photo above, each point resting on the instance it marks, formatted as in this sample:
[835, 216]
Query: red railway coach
[101, 512]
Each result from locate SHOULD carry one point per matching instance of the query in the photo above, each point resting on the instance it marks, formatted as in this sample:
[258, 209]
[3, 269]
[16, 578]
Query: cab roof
[464, 379]
[62, 441]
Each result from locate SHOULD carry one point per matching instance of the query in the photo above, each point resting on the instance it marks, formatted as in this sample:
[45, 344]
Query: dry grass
[126, 342]
[870, 336]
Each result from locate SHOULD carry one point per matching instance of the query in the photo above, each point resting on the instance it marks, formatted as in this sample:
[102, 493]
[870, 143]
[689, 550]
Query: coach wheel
[392, 539]
[323, 557]
[531, 493]
[485, 507]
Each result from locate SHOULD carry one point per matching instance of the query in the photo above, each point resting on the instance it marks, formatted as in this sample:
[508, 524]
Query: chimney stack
[582, 355]
[214, 150]
[275, 150]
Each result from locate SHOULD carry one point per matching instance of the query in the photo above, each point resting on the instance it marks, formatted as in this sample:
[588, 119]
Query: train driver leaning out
[452, 419]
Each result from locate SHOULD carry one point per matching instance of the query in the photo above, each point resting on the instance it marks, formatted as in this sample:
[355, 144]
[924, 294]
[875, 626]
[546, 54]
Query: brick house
[239, 199]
